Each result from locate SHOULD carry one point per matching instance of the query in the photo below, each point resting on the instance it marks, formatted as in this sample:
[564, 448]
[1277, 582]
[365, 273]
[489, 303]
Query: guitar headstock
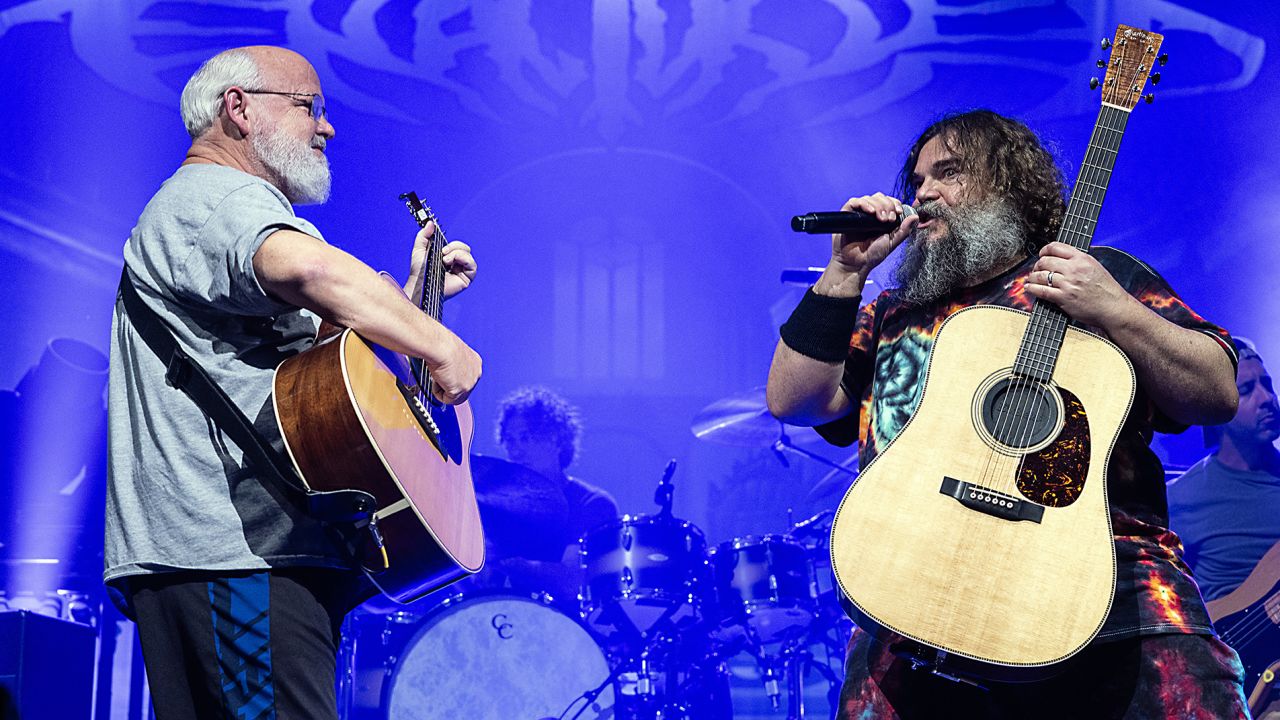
[1134, 54]
[421, 213]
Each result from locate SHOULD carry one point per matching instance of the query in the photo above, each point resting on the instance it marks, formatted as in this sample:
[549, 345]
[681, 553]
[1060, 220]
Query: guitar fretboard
[1038, 353]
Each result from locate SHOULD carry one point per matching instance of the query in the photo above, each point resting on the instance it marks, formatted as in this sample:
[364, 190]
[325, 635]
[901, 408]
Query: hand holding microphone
[848, 222]
[865, 231]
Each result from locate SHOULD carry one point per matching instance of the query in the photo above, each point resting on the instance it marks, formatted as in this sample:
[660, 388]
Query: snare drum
[765, 586]
[640, 572]
[486, 656]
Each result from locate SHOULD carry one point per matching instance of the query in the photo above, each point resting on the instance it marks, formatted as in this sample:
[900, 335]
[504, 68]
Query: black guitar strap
[349, 506]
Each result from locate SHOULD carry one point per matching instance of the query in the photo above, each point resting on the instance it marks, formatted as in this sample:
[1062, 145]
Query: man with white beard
[238, 591]
[990, 202]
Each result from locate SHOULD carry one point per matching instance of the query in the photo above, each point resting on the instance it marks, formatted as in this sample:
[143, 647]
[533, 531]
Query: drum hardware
[785, 444]
[643, 572]
[666, 490]
[650, 685]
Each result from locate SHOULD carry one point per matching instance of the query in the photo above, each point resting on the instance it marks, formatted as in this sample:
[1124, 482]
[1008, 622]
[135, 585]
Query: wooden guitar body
[350, 419]
[983, 536]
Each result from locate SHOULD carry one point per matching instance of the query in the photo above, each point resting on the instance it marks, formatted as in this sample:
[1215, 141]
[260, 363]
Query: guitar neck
[431, 293]
[1038, 353]
[432, 302]
[1135, 54]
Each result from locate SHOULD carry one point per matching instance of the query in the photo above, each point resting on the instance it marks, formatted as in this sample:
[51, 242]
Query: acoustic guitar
[981, 533]
[1248, 619]
[357, 415]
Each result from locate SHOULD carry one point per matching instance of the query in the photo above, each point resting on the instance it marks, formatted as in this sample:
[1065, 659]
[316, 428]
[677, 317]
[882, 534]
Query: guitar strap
[350, 506]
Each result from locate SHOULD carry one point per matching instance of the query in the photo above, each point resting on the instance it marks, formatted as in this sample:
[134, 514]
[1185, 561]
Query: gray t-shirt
[180, 494]
[1227, 519]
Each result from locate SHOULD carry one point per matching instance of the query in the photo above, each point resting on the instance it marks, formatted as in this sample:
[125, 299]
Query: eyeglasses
[315, 101]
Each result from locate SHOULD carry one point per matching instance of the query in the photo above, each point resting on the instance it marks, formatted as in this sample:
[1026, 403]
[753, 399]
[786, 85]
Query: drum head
[765, 589]
[499, 657]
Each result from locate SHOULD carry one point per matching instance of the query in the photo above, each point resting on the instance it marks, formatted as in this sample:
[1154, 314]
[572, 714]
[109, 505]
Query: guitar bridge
[423, 415]
[986, 500]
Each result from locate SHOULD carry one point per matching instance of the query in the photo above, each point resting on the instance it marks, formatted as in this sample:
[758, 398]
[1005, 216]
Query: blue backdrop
[625, 170]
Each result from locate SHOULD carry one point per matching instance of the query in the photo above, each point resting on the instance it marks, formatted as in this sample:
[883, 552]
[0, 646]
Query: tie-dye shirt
[883, 375]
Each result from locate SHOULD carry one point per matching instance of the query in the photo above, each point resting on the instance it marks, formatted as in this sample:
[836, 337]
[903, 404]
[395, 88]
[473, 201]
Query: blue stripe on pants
[242, 637]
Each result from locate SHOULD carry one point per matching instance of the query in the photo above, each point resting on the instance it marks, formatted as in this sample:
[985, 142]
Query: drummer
[540, 430]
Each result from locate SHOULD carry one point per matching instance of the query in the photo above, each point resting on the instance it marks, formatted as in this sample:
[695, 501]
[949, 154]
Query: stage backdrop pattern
[625, 170]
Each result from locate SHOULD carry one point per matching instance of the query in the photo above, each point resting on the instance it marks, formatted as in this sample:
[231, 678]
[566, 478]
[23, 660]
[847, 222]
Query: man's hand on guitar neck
[1185, 373]
[460, 265]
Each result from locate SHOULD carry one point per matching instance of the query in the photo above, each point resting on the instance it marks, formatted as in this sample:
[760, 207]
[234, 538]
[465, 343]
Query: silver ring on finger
[1048, 279]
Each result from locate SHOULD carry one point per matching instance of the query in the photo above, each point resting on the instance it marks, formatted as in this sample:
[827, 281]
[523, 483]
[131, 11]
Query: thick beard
[977, 240]
[303, 177]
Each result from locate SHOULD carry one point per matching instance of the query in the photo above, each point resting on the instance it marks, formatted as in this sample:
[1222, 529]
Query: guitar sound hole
[1019, 413]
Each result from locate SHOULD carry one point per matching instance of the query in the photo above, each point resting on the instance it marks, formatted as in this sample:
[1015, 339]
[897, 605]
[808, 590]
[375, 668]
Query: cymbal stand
[590, 696]
[646, 692]
[784, 445]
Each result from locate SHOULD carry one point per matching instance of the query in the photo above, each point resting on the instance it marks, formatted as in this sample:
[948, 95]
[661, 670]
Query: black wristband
[821, 326]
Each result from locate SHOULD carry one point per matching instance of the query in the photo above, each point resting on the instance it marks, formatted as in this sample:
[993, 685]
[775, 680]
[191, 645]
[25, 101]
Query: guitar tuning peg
[1149, 97]
[1105, 43]
[1102, 63]
[1155, 78]
[1164, 58]
[1093, 83]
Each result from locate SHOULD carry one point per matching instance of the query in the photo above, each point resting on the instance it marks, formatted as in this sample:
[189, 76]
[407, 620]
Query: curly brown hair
[1007, 160]
[546, 413]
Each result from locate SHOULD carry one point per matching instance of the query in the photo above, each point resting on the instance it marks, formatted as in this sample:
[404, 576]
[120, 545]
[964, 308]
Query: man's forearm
[305, 272]
[805, 391]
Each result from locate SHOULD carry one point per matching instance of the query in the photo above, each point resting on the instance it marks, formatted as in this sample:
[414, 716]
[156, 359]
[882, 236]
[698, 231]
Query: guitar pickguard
[1055, 475]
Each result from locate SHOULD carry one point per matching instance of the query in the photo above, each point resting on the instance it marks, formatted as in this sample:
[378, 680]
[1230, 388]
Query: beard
[976, 240]
[301, 175]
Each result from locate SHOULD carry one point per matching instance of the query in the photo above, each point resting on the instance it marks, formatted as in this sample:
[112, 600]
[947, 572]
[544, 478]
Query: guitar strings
[1042, 336]
[1015, 423]
[1247, 629]
[1046, 338]
[433, 295]
[1099, 161]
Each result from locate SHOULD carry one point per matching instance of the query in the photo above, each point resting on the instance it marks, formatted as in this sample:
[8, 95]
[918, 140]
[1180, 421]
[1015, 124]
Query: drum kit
[658, 618]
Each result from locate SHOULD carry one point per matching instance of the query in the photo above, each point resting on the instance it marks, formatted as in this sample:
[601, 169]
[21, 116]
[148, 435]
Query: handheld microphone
[849, 222]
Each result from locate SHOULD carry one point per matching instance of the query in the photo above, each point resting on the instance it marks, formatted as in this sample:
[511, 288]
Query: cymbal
[744, 420]
[525, 513]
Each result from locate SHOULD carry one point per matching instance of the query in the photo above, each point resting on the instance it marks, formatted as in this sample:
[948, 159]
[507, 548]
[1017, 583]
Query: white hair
[202, 97]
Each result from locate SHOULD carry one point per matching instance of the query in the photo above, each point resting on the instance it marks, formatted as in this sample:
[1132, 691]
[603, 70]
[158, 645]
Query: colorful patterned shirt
[883, 375]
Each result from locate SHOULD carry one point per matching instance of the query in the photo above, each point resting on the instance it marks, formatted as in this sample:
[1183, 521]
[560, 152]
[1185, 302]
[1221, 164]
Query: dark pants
[1154, 677]
[243, 646]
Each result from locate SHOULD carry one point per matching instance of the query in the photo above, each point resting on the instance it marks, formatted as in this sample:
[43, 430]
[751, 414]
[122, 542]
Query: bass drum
[495, 656]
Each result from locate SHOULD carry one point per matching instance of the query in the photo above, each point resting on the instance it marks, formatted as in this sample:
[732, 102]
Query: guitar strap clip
[178, 370]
